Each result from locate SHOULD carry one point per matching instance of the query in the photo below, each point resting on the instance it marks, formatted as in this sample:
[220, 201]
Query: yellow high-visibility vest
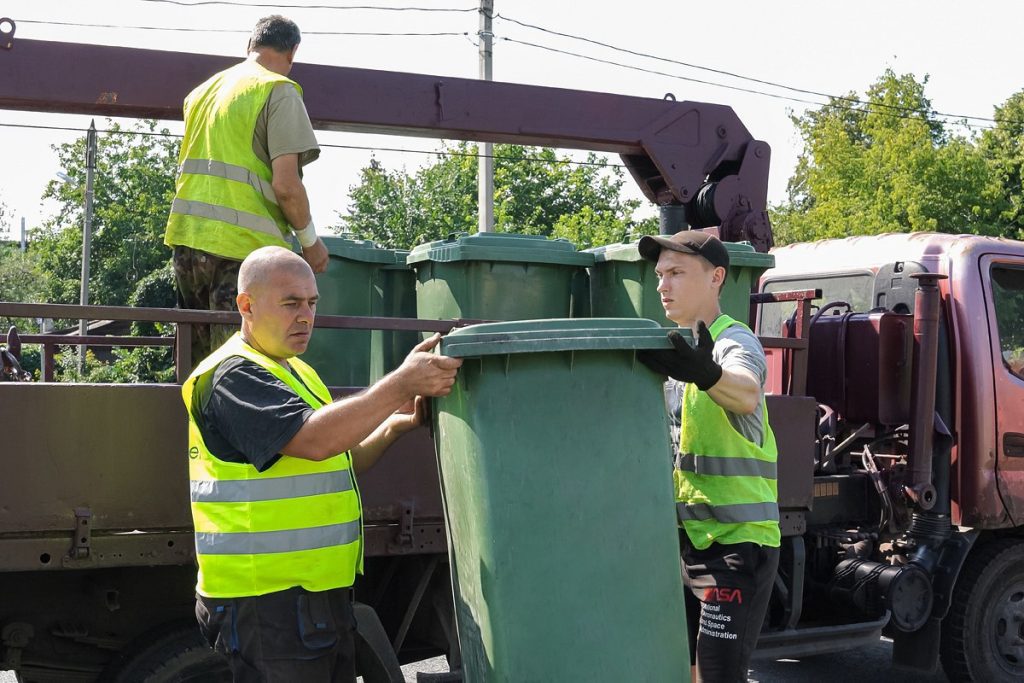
[224, 203]
[726, 486]
[299, 523]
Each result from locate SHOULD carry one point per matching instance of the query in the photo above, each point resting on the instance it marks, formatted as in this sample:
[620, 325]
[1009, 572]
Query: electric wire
[243, 31]
[867, 110]
[384, 8]
[371, 148]
[733, 74]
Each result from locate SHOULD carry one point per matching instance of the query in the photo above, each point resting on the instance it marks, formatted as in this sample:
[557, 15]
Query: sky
[970, 54]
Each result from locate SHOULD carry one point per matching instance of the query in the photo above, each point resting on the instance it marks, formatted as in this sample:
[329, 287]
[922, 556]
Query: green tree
[133, 189]
[536, 192]
[890, 165]
[1003, 148]
[21, 280]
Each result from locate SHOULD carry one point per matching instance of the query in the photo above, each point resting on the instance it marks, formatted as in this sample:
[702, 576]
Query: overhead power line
[382, 8]
[233, 30]
[737, 88]
[731, 74]
[370, 148]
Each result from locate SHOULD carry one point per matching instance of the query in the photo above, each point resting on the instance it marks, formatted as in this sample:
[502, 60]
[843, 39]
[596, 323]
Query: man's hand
[686, 363]
[427, 374]
[409, 416]
[316, 256]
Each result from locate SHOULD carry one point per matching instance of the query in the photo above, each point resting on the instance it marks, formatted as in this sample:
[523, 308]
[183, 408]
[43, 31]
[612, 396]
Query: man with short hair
[272, 465]
[725, 469]
[239, 185]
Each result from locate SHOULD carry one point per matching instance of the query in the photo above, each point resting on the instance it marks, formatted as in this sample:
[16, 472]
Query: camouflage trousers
[209, 283]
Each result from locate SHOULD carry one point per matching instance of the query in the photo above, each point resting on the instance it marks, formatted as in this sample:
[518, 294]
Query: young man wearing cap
[725, 467]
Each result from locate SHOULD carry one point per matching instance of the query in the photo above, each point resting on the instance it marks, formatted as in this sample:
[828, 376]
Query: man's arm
[347, 424]
[294, 204]
[366, 454]
[738, 391]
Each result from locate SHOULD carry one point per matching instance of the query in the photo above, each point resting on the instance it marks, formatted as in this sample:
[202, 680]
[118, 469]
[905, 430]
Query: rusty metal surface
[671, 148]
[114, 449]
[1008, 406]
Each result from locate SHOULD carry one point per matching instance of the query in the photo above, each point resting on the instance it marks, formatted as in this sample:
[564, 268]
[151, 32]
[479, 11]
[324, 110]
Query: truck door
[1005, 284]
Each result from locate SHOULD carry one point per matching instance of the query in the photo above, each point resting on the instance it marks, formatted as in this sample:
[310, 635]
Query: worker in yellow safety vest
[272, 475]
[239, 184]
[725, 468]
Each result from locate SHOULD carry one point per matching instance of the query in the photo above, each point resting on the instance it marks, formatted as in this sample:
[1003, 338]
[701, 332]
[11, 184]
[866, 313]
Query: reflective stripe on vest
[739, 513]
[726, 486]
[261, 542]
[252, 490]
[299, 523]
[239, 174]
[224, 200]
[223, 214]
[724, 466]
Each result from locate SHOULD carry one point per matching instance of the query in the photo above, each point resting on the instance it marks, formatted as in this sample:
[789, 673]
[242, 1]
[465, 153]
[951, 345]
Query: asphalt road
[853, 666]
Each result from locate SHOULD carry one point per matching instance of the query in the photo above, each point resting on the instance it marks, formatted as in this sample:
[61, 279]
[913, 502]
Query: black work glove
[686, 363]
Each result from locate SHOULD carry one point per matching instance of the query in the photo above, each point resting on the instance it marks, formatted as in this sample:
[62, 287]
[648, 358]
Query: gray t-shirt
[283, 127]
[735, 348]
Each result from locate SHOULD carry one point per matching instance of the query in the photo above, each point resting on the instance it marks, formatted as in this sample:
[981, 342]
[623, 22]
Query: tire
[172, 654]
[983, 634]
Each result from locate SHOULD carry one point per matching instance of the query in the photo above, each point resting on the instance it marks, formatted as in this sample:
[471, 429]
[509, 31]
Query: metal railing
[183, 319]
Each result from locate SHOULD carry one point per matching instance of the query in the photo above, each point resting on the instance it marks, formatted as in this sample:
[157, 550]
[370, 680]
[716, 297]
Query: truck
[895, 387]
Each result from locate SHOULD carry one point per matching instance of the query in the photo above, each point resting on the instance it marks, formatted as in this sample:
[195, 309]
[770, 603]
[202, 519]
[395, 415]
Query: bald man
[272, 465]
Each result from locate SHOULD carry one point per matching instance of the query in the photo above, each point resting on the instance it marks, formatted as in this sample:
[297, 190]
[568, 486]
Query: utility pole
[485, 182]
[90, 168]
[24, 240]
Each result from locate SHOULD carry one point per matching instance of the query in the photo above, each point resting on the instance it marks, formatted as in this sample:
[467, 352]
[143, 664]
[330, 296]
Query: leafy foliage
[21, 279]
[134, 186]
[887, 166]
[536, 192]
[1003, 148]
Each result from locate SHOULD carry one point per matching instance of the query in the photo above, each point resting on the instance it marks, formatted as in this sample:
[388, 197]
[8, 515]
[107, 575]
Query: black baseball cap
[693, 242]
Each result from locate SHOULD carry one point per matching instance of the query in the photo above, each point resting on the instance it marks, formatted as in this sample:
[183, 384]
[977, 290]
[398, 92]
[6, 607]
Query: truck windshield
[853, 288]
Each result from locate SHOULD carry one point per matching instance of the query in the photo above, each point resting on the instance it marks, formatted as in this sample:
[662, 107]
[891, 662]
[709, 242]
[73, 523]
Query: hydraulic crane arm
[690, 154]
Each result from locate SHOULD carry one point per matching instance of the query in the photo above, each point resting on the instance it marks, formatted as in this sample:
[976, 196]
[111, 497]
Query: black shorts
[291, 635]
[727, 598]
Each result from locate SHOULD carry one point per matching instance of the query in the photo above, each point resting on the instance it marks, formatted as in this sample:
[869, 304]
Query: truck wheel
[983, 634]
[176, 654]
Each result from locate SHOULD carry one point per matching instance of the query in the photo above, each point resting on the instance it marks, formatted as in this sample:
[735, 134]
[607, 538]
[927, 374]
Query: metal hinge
[403, 538]
[80, 544]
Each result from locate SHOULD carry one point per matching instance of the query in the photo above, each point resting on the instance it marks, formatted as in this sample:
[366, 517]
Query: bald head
[268, 264]
[277, 298]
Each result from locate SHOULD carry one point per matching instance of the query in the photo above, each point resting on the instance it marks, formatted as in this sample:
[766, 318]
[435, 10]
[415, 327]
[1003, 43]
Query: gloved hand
[686, 363]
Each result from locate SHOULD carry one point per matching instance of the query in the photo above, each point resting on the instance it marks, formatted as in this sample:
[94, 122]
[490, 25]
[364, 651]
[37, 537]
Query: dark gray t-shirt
[735, 348]
[247, 415]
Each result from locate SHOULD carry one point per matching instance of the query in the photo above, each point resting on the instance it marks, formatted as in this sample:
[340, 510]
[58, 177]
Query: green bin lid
[556, 334]
[741, 254]
[347, 246]
[491, 246]
[401, 255]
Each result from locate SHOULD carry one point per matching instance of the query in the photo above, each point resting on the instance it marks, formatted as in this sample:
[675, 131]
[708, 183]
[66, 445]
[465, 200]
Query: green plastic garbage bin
[349, 287]
[623, 284]
[496, 276]
[396, 284]
[556, 472]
